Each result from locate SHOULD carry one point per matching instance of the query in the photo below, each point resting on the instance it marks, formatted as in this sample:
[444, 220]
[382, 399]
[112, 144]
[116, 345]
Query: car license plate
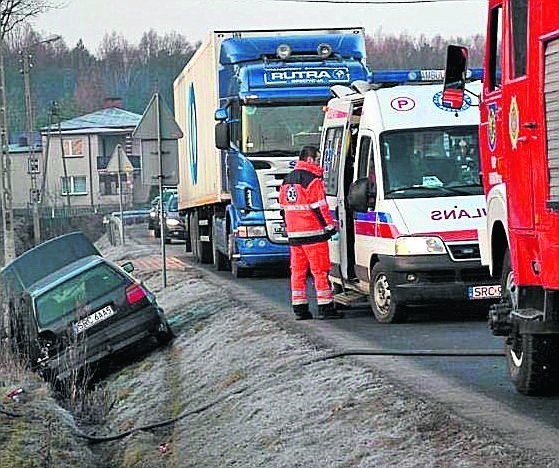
[484, 292]
[94, 318]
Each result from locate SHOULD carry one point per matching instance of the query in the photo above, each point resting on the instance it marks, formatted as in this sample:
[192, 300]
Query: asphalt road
[475, 387]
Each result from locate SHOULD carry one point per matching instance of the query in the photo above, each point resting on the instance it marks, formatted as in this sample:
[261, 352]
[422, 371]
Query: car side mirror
[128, 267]
[362, 195]
[455, 77]
[222, 135]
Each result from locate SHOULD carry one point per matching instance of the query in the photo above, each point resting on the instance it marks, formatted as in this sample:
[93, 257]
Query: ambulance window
[331, 159]
[364, 150]
[495, 48]
[519, 40]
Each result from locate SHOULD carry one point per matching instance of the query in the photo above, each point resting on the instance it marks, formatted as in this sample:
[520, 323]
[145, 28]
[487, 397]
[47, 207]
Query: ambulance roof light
[417, 76]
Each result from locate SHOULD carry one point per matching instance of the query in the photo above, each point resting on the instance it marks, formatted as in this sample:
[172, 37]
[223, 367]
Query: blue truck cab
[272, 87]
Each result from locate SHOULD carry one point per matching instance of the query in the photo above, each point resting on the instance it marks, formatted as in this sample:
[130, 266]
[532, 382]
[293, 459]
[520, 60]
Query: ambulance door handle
[530, 125]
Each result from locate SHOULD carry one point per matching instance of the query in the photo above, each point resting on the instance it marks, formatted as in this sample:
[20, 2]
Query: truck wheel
[193, 234]
[221, 262]
[206, 251]
[531, 359]
[239, 271]
[382, 297]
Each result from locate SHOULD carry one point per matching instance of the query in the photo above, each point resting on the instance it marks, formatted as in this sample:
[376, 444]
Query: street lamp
[32, 161]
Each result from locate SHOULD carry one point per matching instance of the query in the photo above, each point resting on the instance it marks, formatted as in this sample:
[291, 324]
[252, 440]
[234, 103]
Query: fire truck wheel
[532, 364]
[530, 358]
[382, 298]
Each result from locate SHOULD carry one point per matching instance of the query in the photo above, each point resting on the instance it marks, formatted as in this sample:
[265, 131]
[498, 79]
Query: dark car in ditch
[69, 308]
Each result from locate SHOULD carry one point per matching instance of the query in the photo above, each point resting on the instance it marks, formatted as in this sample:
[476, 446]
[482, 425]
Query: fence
[113, 223]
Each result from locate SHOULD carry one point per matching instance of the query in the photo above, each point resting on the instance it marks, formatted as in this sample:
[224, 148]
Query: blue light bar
[417, 76]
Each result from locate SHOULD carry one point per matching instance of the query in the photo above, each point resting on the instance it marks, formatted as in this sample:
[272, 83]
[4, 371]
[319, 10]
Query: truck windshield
[431, 162]
[283, 130]
[76, 293]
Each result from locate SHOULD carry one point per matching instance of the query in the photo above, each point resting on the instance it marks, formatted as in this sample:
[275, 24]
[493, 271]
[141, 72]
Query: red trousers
[316, 258]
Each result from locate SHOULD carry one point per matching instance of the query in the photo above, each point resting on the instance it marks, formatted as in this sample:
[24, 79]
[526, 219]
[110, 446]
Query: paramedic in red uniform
[309, 226]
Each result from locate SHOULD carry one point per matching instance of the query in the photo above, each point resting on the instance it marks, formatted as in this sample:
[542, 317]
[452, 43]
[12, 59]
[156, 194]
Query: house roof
[101, 121]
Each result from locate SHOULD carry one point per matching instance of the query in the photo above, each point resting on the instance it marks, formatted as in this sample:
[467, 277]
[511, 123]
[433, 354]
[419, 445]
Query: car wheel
[383, 297]
[164, 334]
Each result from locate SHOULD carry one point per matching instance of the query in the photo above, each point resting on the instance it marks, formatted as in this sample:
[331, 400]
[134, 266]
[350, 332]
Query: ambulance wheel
[383, 298]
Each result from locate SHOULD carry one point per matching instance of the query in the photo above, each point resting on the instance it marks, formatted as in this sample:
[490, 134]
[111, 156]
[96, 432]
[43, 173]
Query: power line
[371, 2]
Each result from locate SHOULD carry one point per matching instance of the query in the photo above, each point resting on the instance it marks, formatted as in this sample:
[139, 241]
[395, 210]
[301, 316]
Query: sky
[90, 20]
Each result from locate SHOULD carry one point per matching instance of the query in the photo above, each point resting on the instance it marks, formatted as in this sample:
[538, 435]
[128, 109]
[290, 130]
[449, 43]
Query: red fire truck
[519, 147]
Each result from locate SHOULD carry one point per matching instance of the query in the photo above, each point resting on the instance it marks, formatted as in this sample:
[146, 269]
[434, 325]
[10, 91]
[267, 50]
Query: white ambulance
[402, 179]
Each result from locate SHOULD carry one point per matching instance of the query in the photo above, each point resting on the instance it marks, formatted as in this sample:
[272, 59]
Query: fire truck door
[520, 119]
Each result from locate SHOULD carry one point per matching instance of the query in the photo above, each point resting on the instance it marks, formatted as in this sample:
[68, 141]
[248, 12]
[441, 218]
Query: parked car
[78, 310]
[153, 215]
[175, 226]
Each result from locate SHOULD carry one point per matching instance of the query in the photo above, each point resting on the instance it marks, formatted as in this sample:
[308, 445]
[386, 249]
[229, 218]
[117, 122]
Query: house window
[33, 165]
[73, 147]
[77, 185]
[108, 183]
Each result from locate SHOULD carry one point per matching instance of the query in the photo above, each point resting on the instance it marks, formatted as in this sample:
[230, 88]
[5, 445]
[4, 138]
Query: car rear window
[76, 293]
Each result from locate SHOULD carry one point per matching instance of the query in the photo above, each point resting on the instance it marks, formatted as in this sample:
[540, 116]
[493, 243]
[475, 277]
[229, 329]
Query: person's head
[310, 154]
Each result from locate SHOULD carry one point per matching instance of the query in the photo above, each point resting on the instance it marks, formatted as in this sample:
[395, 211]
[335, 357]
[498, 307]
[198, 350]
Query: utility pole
[5, 169]
[32, 160]
[119, 151]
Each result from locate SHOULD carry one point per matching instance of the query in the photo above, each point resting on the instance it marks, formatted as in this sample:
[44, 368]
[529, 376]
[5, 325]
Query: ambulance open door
[336, 142]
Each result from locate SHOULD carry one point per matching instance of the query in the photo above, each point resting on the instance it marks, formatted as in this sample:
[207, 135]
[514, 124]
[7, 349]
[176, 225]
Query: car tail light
[135, 293]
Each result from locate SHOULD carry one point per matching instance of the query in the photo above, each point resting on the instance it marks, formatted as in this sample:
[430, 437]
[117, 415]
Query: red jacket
[302, 198]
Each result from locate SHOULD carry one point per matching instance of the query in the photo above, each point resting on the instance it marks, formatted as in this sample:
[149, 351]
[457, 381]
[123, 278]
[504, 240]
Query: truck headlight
[411, 245]
[172, 222]
[251, 231]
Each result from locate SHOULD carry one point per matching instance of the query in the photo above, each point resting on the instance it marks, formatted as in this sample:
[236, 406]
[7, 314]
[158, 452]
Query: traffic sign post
[159, 133]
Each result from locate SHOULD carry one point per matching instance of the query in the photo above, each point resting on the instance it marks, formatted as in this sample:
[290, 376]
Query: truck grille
[469, 251]
[551, 97]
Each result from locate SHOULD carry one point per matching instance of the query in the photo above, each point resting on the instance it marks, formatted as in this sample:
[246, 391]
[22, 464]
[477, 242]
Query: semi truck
[248, 101]
[518, 137]
[401, 175]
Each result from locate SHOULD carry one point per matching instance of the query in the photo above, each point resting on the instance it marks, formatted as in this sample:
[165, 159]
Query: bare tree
[15, 12]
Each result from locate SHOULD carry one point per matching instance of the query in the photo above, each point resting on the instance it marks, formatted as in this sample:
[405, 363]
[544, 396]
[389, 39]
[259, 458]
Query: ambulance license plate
[492, 291]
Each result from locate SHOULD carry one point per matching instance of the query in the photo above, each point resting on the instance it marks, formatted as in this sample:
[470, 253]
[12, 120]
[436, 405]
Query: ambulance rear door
[336, 142]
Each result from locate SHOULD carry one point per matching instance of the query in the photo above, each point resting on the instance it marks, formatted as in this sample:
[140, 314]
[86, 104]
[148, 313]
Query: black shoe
[328, 311]
[301, 312]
